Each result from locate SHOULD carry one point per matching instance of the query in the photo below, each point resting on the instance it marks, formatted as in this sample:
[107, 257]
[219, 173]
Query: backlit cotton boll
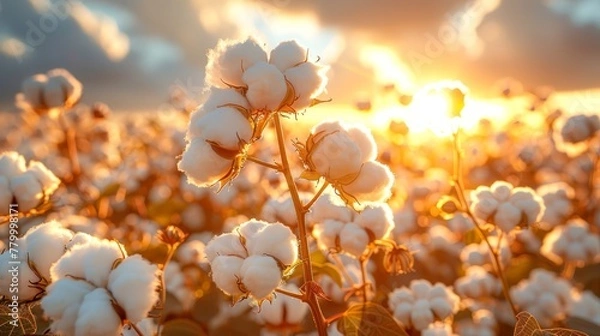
[477, 284]
[373, 183]
[97, 316]
[92, 261]
[586, 306]
[546, 296]
[228, 61]
[308, 80]
[275, 240]
[572, 242]
[571, 132]
[422, 304]
[225, 271]
[133, 284]
[45, 244]
[219, 97]
[558, 198]
[57, 88]
[62, 302]
[287, 54]
[507, 207]
[202, 165]
[225, 125]
[266, 86]
[260, 276]
[378, 218]
[28, 185]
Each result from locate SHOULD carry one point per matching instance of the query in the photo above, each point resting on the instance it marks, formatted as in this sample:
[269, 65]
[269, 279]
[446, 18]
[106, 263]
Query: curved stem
[136, 329]
[460, 190]
[316, 196]
[258, 161]
[310, 295]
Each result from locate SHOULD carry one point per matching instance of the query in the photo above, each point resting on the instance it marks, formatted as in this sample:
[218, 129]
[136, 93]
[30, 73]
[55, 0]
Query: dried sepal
[399, 260]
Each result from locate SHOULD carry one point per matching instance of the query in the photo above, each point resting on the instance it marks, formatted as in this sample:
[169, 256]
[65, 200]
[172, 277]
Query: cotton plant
[283, 314]
[477, 284]
[30, 186]
[248, 89]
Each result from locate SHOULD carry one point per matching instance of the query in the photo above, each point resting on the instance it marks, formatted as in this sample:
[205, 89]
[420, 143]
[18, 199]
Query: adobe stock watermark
[47, 23]
[14, 264]
[447, 37]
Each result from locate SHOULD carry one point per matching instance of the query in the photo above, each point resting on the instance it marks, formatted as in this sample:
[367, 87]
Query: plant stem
[363, 274]
[290, 294]
[569, 270]
[163, 294]
[136, 329]
[71, 146]
[310, 295]
[316, 196]
[256, 160]
[460, 190]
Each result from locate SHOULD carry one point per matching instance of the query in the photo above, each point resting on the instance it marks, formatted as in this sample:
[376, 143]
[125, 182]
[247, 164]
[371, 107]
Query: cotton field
[263, 208]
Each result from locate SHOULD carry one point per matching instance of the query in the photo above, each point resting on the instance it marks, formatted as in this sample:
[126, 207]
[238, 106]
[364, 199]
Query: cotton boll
[228, 61]
[92, 261]
[80, 238]
[48, 180]
[266, 86]
[218, 97]
[46, 244]
[260, 275]
[32, 89]
[336, 156]
[11, 164]
[202, 165]
[97, 315]
[277, 241]
[586, 306]
[133, 284]
[227, 244]
[373, 183]
[328, 207]
[364, 139]
[191, 252]
[378, 218]
[226, 271]
[61, 303]
[308, 80]
[251, 228]
[225, 125]
[531, 204]
[501, 190]
[62, 89]
[287, 54]
[327, 232]
[353, 239]
[421, 315]
[27, 191]
[507, 217]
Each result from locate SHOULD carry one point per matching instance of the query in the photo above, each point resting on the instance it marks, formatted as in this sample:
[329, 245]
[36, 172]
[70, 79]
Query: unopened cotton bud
[27, 190]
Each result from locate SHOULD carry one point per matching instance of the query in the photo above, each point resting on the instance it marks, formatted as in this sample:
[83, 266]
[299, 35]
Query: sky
[129, 54]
